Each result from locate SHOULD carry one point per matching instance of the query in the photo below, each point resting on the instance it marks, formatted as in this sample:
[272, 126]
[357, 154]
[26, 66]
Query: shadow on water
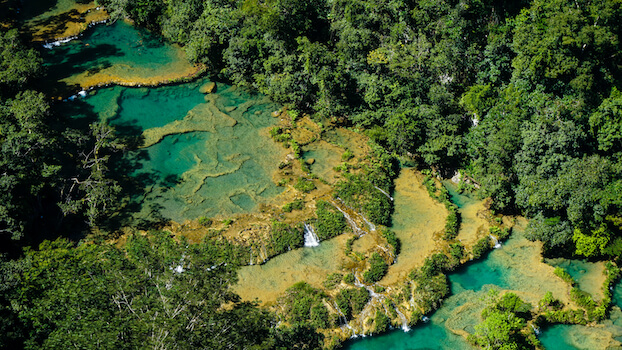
[65, 61]
[32, 9]
[122, 165]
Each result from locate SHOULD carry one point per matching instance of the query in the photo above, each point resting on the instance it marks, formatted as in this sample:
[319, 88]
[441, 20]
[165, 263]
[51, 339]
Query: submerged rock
[208, 88]
[310, 161]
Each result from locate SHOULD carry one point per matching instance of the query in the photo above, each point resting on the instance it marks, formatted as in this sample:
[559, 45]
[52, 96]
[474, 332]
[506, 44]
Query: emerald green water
[211, 156]
[219, 163]
[515, 267]
[571, 337]
[204, 155]
[117, 52]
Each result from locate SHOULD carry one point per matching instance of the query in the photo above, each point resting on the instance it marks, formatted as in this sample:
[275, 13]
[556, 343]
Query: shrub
[284, 238]
[297, 204]
[347, 155]
[358, 192]
[561, 273]
[332, 280]
[381, 322]
[377, 269]
[330, 222]
[304, 185]
[452, 223]
[349, 278]
[391, 239]
[303, 304]
[481, 247]
[204, 221]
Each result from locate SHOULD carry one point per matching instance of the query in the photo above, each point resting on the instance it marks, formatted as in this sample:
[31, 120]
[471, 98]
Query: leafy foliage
[330, 222]
[377, 269]
[504, 318]
[156, 291]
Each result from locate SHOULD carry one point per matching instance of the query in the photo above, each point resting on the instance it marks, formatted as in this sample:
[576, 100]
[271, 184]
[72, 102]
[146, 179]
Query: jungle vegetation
[522, 97]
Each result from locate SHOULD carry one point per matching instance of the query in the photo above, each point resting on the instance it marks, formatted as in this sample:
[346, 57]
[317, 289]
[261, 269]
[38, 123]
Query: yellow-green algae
[115, 54]
[48, 20]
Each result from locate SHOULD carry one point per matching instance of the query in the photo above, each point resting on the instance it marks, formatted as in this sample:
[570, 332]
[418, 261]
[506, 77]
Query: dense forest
[521, 97]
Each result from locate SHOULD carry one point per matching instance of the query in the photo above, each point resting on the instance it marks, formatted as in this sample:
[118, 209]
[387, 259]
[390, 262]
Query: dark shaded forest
[521, 97]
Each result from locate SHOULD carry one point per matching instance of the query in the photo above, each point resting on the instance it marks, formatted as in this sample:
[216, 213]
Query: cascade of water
[372, 227]
[357, 231]
[342, 317]
[385, 193]
[495, 241]
[311, 238]
[358, 283]
[536, 330]
[404, 320]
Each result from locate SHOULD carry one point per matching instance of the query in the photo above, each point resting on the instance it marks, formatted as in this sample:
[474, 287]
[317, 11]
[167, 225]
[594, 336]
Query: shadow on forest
[125, 167]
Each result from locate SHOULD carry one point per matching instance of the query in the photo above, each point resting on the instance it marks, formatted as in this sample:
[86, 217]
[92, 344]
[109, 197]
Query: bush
[378, 268]
[381, 322]
[358, 192]
[347, 155]
[561, 273]
[501, 233]
[430, 292]
[284, 238]
[433, 265]
[303, 304]
[349, 278]
[456, 253]
[352, 300]
[330, 221]
[332, 280]
[391, 239]
[481, 247]
[452, 223]
[297, 204]
[205, 222]
[304, 185]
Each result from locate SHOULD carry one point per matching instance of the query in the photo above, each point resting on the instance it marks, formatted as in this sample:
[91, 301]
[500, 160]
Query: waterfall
[385, 193]
[495, 241]
[311, 239]
[536, 330]
[355, 228]
[372, 227]
[342, 317]
[358, 283]
[404, 320]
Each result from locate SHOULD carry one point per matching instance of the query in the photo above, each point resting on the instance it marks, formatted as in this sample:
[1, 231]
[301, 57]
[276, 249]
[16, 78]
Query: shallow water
[516, 266]
[588, 275]
[472, 222]
[416, 220]
[220, 163]
[311, 264]
[56, 19]
[117, 53]
[326, 156]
